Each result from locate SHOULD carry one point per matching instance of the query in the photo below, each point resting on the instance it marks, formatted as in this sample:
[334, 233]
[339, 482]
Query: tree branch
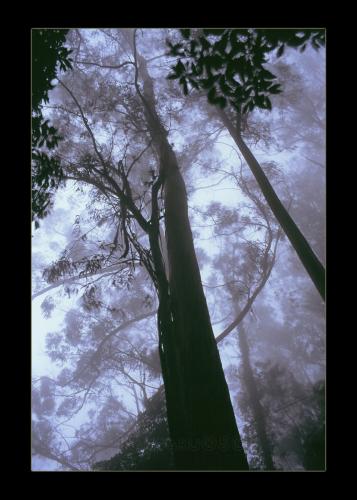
[107, 66]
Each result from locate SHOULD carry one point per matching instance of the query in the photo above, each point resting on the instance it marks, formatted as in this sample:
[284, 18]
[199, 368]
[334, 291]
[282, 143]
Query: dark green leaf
[226, 89]
[175, 49]
[267, 74]
[275, 89]
[302, 49]
[193, 45]
[193, 83]
[204, 43]
[280, 50]
[221, 101]
[267, 103]
[221, 45]
[259, 100]
[179, 68]
[211, 96]
[183, 82]
[186, 32]
[213, 31]
[207, 83]
[245, 108]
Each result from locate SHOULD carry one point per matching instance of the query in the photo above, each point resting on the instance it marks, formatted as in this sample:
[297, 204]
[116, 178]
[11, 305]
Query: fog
[96, 371]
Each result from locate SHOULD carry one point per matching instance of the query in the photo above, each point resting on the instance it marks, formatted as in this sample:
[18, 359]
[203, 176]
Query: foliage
[228, 64]
[47, 307]
[48, 52]
[107, 373]
[314, 432]
[96, 358]
[294, 414]
[148, 447]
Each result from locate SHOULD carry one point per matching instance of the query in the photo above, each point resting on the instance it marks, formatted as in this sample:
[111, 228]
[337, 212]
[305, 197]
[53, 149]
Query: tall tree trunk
[207, 434]
[307, 256]
[257, 409]
[201, 419]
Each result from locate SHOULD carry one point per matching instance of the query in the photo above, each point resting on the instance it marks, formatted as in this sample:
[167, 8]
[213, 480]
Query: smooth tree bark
[307, 256]
[201, 419]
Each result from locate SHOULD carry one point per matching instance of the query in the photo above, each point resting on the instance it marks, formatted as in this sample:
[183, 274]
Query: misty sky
[270, 312]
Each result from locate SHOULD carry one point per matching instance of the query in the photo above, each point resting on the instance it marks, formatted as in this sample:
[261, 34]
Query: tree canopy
[228, 64]
[98, 387]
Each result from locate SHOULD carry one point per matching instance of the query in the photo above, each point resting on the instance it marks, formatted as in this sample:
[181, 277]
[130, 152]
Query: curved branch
[107, 66]
[251, 300]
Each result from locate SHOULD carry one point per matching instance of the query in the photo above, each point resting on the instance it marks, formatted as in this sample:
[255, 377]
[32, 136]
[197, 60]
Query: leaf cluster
[149, 446]
[48, 53]
[66, 267]
[46, 177]
[228, 64]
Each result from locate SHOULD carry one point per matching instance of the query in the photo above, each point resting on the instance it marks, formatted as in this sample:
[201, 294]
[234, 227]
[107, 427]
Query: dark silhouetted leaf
[213, 31]
[186, 32]
[267, 103]
[212, 95]
[280, 50]
[183, 82]
[221, 101]
[275, 89]
[179, 68]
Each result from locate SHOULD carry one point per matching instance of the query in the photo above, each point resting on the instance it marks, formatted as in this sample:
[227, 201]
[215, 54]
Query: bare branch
[252, 298]
[107, 66]
[85, 121]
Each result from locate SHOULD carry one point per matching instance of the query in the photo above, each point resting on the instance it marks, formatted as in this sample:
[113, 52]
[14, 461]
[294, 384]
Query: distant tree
[258, 413]
[295, 413]
[298, 342]
[314, 450]
[246, 272]
[228, 65]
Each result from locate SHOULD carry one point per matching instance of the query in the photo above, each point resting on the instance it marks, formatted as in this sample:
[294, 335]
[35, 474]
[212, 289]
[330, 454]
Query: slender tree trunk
[201, 419]
[257, 409]
[307, 256]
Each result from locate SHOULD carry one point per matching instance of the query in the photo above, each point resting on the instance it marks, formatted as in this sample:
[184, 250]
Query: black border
[19, 244]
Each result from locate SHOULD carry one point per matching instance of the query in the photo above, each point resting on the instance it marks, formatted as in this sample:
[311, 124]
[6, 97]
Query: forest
[178, 249]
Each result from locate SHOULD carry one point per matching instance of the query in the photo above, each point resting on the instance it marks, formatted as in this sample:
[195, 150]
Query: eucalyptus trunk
[307, 256]
[200, 415]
